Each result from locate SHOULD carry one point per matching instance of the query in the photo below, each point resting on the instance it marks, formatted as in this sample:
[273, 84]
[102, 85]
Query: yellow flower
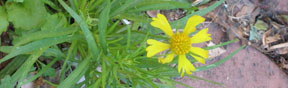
[179, 43]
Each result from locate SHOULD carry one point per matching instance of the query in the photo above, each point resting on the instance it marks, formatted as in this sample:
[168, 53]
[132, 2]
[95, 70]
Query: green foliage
[76, 74]
[3, 20]
[13, 65]
[16, 0]
[6, 82]
[43, 71]
[22, 72]
[51, 72]
[158, 4]
[36, 45]
[84, 27]
[102, 27]
[91, 34]
[54, 22]
[27, 15]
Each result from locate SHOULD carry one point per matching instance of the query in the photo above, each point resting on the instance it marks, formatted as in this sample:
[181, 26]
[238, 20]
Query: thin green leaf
[22, 72]
[176, 82]
[63, 69]
[104, 73]
[12, 66]
[51, 4]
[112, 28]
[6, 49]
[44, 69]
[18, 0]
[209, 81]
[151, 35]
[179, 23]
[220, 61]
[221, 44]
[53, 52]
[93, 5]
[37, 45]
[158, 5]
[123, 7]
[128, 37]
[76, 74]
[50, 83]
[84, 27]
[132, 17]
[102, 27]
[43, 34]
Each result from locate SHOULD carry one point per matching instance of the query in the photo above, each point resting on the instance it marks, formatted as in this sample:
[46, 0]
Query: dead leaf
[274, 38]
[152, 13]
[243, 11]
[215, 52]
[282, 51]
[38, 82]
[197, 2]
[264, 41]
[275, 25]
[282, 45]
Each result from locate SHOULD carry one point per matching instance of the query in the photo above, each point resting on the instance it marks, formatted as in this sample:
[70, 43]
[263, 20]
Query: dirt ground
[260, 24]
[247, 69]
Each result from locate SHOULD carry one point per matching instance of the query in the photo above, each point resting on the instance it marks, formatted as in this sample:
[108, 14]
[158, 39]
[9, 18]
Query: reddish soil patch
[247, 69]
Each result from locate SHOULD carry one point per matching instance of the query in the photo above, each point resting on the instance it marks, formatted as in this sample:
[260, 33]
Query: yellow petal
[199, 59]
[192, 23]
[201, 36]
[155, 47]
[200, 52]
[184, 65]
[162, 23]
[168, 58]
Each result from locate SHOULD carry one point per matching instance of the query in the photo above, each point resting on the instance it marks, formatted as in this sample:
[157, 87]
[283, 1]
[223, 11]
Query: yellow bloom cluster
[179, 43]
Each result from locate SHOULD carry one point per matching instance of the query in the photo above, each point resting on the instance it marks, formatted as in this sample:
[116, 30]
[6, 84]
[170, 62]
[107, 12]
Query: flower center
[180, 43]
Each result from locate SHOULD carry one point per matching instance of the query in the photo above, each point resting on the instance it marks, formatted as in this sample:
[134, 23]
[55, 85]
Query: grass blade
[41, 71]
[37, 45]
[22, 73]
[103, 21]
[12, 66]
[76, 74]
[158, 5]
[104, 73]
[128, 37]
[43, 34]
[209, 81]
[63, 68]
[122, 9]
[178, 23]
[220, 61]
[221, 44]
[173, 81]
